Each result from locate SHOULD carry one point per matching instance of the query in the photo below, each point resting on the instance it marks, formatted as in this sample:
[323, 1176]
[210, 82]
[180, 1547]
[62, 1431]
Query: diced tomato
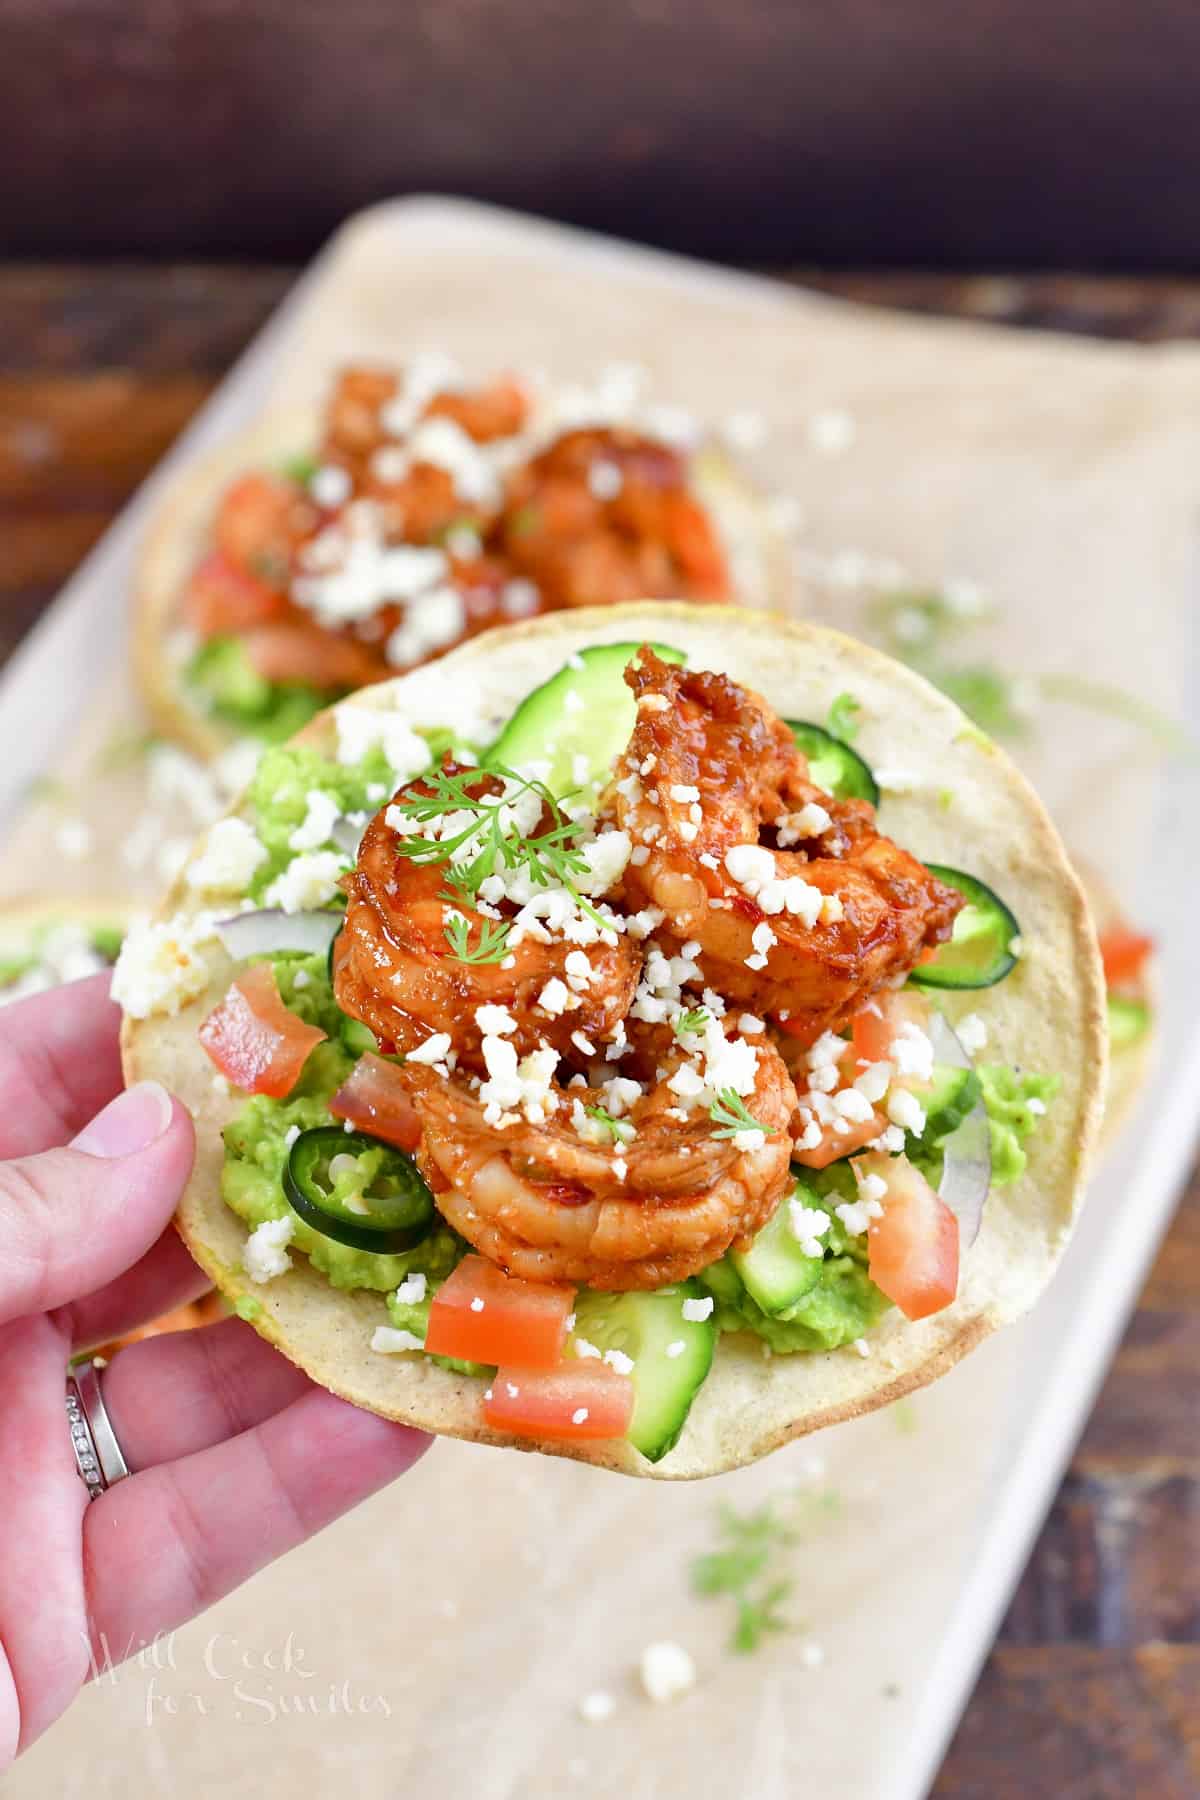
[223, 600]
[254, 1039]
[483, 1315]
[305, 653]
[1123, 953]
[912, 1251]
[374, 1099]
[881, 1019]
[576, 1401]
[260, 521]
[840, 1143]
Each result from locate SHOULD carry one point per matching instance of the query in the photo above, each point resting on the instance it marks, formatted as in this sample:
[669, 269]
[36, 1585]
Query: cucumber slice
[585, 711]
[948, 1100]
[647, 1327]
[1128, 1021]
[775, 1270]
[832, 764]
[978, 955]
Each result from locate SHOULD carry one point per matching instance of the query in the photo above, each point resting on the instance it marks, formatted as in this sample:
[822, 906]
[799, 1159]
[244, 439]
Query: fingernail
[131, 1122]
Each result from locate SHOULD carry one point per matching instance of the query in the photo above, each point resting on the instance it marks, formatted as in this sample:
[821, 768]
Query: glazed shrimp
[396, 969]
[548, 1205]
[601, 516]
[800, 906]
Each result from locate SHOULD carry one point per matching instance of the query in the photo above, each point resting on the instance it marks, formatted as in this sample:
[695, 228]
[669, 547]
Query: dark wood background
[939, 132]
[1093, 1689]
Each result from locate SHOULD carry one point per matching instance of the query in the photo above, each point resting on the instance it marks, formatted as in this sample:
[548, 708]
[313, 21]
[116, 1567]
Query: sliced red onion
[967, 1152]
[271, 930]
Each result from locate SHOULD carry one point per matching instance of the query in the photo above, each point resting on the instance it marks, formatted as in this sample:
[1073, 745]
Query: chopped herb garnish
[493, 940]
[843, 718]
[620, 1130]
[691, 1024]
[750, 1565]
[728, 1111]
[523, 520]
[487, 840]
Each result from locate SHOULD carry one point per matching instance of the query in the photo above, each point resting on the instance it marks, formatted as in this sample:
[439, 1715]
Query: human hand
[236, 1456]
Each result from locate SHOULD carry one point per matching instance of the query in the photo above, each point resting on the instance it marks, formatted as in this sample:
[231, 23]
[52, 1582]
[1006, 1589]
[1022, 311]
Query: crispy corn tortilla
[967, 806]
[759, 560]
[1129, 1065]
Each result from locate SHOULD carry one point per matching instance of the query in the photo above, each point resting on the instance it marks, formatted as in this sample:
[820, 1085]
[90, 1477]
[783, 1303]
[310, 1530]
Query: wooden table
[1093, 1688]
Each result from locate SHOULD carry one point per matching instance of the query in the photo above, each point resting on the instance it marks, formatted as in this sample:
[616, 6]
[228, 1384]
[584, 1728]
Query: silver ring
[98, 1456]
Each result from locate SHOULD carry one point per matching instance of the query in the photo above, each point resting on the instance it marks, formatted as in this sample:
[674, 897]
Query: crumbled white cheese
[554, 997]
[495, 1021]
[389, 1342]
[309, 881]
[1035, 1106]
[513, 1085]
[696, 1311]
[226, 864]
[349, 570]
[519, 598]
[606, 858]
[431, 621]
[972, 1033]
[433, 1050]
[444, 444]
[161, 966]
[321, 815]
[807, 1225]
[904, 1109]
[360, 729]
[595, 1708]
[617, 1359]
[579, 1416]
[667, 1671]
[265, 1253]
[330, 486]
[676, 1348]
[604, 480]
[411, 1291]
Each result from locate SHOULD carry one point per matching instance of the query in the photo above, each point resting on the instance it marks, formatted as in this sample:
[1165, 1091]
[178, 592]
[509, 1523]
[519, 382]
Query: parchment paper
[443, 1637]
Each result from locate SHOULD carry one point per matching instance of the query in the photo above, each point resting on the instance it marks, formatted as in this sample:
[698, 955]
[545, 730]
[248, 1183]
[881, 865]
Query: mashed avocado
[222, 678]
[843, 1302]
[1015, 1102]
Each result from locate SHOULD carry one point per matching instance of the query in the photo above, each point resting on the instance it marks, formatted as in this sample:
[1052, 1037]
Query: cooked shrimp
[396, 968]
[355, 425]
[802, 933]
[548, 1205]
[602, 516]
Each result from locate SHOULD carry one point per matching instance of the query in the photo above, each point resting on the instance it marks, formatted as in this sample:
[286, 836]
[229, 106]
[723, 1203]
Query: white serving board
[468, 1683]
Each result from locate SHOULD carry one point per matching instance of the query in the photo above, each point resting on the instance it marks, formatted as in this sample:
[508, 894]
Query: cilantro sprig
[492, 946]
[619, 1130]
[486, 840]
[728, 1112]
[690, 1024]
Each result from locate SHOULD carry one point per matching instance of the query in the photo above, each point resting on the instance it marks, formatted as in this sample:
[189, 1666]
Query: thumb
[71, 1220]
